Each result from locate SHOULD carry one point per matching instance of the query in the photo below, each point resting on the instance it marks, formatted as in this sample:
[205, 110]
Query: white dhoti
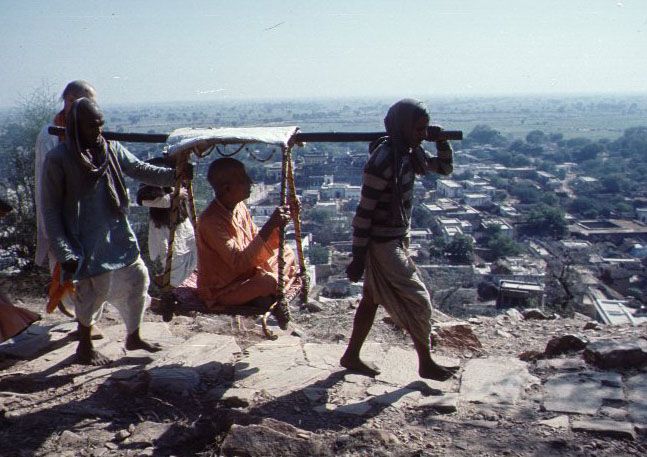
[126, 289]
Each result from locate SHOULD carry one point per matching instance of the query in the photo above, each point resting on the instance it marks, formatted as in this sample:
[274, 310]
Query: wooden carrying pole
[433, 134]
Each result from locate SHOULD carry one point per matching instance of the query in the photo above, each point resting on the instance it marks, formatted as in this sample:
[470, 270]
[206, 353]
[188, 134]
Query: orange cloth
[235, 265]
[57, 290]
[59, 121]
[13, 319]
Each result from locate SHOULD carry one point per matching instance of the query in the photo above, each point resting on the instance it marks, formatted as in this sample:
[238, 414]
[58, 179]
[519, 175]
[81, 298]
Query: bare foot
[89, 356]
[134, 342]
[436, 372]
[358, 366]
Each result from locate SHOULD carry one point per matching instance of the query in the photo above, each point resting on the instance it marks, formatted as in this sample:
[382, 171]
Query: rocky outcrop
[623, 354]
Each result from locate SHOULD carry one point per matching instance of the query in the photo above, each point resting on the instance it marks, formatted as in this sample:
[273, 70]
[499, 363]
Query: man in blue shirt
[85, 203]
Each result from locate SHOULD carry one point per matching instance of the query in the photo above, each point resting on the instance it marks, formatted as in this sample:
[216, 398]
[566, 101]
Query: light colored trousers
[126, 289]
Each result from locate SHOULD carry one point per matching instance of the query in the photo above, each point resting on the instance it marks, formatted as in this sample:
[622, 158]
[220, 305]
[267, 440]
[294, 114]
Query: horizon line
[305, 99]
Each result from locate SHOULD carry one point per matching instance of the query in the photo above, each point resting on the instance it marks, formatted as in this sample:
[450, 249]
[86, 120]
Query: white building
[449, 188]
[641, 214]
[475, 185]
[505, 228]
[419, 235]
[449, 228]
[273, 171]
[330, 208]
[335, 191]
[477, 200]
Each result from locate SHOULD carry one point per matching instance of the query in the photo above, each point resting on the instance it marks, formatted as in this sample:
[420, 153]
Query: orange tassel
[57, 290]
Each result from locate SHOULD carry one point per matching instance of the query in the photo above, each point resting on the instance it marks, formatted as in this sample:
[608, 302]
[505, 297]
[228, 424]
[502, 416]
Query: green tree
[544, 220]
[319, 216]
[555, 137]
[588, 152]
[550, 199]
[484, 134]
[500, 244]
[318, 254]
[585, 206]
[460, 250]
[536, 137]
[437, 248]
[17, 146]
[633, 143]
[526, 193]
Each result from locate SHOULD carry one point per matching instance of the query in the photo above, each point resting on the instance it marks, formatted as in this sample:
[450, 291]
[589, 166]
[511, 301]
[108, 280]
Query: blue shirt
[80, 218]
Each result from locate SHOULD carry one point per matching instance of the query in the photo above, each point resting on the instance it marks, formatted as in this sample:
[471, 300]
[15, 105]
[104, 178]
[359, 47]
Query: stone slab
[205, 352]
[565, 364]
[399, 367]
[347, 391]
[386, 395]
[278, 367]
[35, 339]
[326, 356]
[495, 380]
[148, 432]
[625, 354]
[173, 380]
[354, 409]
[277, 355]
[444, 404]
[558, 422]
[637, 397]
[616, 414]
[234, 397]
[154, 332]
[261, 440]
[602, 427]
[581, 393]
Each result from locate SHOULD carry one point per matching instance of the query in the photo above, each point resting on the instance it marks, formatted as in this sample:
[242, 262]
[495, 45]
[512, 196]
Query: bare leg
[134, 341]
[427, 368]
[95, 333]
[362, 323]
[85, 352]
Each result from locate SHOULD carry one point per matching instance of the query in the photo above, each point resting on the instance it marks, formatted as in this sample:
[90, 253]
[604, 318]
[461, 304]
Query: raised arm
[142, 171]
[443, 163]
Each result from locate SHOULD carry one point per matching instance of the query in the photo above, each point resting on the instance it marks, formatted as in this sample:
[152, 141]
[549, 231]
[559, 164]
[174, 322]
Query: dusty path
[220, 388]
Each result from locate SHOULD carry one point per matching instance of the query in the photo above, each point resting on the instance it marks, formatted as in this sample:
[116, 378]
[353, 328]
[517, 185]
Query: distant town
[546, 208]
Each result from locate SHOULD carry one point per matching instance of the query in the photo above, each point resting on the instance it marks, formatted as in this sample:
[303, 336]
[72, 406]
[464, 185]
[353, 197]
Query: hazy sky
[140, 50]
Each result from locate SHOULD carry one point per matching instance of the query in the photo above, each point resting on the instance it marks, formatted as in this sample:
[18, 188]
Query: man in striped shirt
[380, 237]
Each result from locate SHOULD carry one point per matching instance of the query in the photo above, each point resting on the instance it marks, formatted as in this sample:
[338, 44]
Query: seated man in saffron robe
[237, 262]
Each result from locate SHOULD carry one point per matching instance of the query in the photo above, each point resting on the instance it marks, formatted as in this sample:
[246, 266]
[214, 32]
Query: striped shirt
[384, 210]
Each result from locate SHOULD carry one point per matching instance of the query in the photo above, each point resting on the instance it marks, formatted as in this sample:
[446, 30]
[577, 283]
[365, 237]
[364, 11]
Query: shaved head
[79, 88]
[223, 171]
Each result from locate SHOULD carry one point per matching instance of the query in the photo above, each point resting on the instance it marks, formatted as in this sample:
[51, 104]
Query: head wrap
[401, 117]
[399, 123]
[103, 162]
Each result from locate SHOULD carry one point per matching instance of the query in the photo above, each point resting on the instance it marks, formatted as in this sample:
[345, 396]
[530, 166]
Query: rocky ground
[528, 386]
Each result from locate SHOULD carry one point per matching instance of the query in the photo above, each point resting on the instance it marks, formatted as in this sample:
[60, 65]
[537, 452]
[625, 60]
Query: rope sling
[288, 196]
